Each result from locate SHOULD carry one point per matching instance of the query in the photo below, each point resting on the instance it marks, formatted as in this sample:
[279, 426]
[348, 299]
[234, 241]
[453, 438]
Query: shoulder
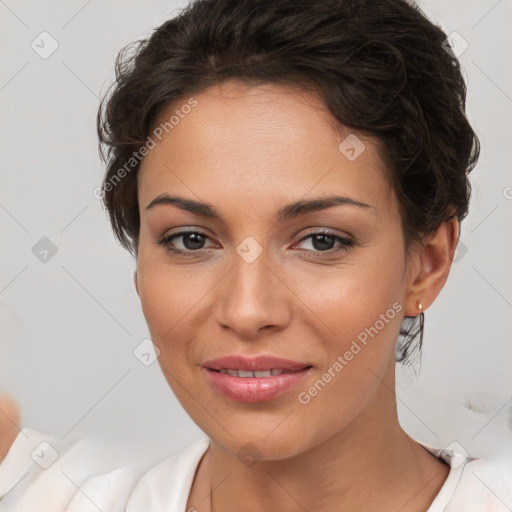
[167, 485]
[484, 485]
[42, 472]
[475, 484]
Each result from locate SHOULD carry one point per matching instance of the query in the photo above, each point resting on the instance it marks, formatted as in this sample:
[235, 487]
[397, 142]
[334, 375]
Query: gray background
[69, 325]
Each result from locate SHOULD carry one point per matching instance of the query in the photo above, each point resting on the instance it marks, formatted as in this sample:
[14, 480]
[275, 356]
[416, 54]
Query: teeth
[263, 373]
[248, 373]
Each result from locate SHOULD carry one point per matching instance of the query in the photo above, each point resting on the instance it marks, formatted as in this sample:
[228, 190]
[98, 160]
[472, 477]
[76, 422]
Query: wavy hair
[380, 67]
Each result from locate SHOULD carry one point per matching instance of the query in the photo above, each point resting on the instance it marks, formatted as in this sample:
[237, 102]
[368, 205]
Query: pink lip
[254, 389]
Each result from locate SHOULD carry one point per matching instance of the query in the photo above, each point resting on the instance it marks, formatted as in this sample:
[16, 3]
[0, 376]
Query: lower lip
[254, 389]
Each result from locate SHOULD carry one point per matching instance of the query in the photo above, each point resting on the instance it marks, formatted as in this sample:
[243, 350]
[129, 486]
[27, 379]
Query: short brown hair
[380, 68]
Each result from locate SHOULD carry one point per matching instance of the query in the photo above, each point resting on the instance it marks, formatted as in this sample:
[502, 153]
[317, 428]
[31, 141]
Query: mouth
[255, 386]
[257, 373]
[263, 362]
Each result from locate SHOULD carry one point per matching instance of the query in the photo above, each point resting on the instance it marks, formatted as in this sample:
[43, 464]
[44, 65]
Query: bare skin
[249, 152]
[9, 420]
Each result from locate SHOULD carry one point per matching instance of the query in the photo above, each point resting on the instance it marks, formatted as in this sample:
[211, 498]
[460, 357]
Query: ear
[135, 281]
[430, 265]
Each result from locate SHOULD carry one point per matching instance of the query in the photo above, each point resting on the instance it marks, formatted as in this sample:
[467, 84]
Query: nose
[253, 297]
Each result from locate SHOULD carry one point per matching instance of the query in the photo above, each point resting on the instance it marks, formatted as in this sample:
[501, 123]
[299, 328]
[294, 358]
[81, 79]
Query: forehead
[250, 142]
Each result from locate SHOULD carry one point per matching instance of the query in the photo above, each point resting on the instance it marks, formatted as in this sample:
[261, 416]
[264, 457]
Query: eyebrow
[290, 211]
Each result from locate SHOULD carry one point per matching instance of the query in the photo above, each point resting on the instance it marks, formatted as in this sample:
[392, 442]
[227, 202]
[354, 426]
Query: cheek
[358, 312]
[352, 297]
[171, 295]
[350, 320]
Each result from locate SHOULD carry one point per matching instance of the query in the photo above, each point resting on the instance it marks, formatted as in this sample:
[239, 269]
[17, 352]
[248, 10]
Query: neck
[372, 464]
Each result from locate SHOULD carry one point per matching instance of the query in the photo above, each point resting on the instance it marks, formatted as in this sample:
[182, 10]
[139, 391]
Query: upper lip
[260, 363]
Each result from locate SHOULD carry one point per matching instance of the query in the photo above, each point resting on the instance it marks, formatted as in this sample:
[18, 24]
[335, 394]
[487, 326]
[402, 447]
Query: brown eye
[191, 241]
[325, 242]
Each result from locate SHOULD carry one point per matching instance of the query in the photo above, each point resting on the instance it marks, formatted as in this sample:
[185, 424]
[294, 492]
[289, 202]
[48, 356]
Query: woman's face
[252, 283]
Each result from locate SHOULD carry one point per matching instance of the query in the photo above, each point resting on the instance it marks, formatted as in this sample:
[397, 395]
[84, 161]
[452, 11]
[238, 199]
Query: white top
[34, 476]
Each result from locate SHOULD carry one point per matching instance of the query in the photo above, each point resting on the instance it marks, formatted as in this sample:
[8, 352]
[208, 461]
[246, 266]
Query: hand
[9, 420]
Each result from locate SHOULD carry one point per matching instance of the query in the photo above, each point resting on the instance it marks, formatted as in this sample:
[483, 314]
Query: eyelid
[166, 239]
[346, 242]
[328, 232]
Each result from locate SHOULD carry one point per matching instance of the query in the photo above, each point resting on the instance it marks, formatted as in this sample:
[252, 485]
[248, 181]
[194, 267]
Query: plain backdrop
[70, 316]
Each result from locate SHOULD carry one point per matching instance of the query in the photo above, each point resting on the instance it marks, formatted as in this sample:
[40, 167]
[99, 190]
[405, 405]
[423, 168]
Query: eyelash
[346, 243]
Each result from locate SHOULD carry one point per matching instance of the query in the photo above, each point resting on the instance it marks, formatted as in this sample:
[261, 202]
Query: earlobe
[433, 263]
